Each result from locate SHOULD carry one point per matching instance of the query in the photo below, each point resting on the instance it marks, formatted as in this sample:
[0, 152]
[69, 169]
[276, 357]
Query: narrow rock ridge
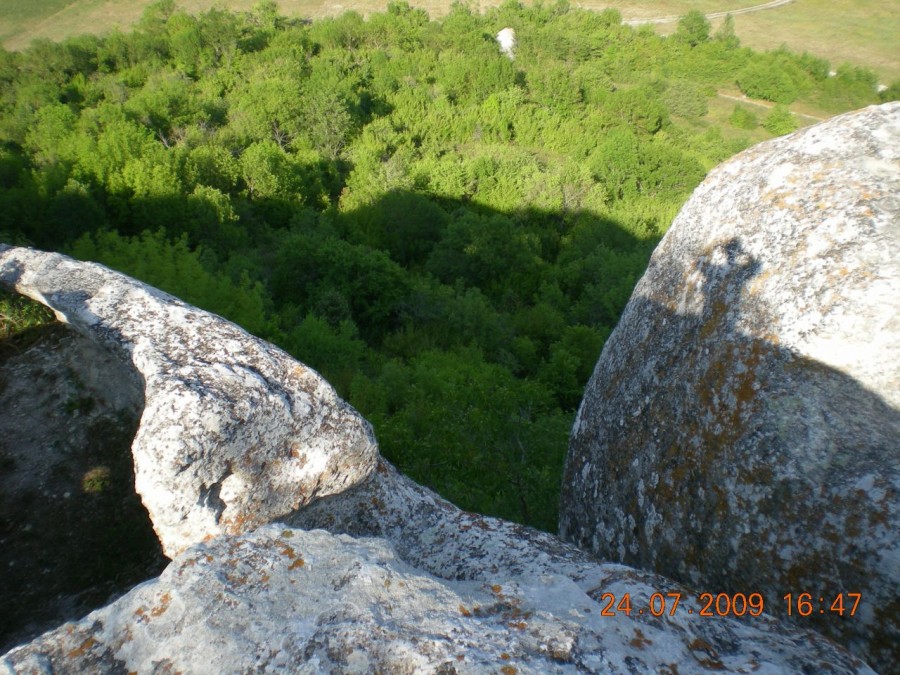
[234, 431]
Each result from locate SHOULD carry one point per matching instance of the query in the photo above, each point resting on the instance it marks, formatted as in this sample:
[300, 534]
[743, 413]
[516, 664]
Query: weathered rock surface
[284, 599]
[741, 431]
[234, 432]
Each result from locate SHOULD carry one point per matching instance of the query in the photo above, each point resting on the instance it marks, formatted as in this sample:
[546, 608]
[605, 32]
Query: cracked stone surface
[284, 599]
[741, 430]
[234, 431]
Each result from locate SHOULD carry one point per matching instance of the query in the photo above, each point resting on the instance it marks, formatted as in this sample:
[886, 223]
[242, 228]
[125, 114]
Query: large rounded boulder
[741, 431]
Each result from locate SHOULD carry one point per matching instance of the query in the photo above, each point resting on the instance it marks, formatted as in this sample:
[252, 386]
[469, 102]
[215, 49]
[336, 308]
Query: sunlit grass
[18, 313]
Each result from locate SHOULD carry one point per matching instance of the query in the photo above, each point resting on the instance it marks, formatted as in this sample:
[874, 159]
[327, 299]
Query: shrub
[742, 118]
[18, 313]
[851, 87]
[780, 121]
[693, 28]
[767, 81]
[96, 480]
[892, 93]
[685, 100]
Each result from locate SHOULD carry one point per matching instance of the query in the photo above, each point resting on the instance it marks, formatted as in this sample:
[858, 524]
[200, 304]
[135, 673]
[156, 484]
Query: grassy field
[862, 32]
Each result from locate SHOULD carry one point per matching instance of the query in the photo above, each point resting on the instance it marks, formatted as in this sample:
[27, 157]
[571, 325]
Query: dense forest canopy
[447, 234]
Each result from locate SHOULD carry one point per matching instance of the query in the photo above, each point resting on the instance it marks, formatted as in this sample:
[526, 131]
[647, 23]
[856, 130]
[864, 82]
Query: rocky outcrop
[506, 38]
[234, 432]
[286, 599]
[402, 581]
[741, 430]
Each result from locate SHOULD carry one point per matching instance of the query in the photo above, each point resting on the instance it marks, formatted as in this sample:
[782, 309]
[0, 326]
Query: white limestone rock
[506, 38]
[433, 535]
[234, 431]
[741, 430]
[288, 600]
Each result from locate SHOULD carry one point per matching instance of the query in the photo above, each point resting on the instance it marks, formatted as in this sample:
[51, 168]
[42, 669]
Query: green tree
[743, 118]
[166, 105]
[780, 121]
[725, 34]
[404, 224]
[156, 15]
[173, 267]
[317, 273]
[769, 81]
[266, 170]
[630, 167]
[473, 432]
[637, 108]
[570, 363]
[693, 28]
[890, 93]
[327, 122]
[335, 351]
[212, 165]
[491, 253]
[851, 87]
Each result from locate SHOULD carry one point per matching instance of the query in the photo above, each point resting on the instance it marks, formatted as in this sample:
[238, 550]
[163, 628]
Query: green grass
[16, 11]
[862, 32]
[18, 314]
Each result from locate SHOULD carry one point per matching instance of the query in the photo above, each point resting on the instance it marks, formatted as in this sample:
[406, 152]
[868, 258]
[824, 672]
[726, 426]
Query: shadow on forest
[366, 265]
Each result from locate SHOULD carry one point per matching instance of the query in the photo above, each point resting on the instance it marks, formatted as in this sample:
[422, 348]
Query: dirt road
[712, 15]
[763, 104]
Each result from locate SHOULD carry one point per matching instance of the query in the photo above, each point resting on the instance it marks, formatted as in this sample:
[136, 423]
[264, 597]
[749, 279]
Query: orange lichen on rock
[639, 640]
[81, 649]
[160, 609]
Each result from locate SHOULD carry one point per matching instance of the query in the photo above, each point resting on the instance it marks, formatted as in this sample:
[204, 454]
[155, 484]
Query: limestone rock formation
[285, 599]
[403, 582]
[234, 432]
[741, 430]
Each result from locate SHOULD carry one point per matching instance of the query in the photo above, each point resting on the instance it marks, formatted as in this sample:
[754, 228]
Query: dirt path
[712, 15]
[763, 104]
